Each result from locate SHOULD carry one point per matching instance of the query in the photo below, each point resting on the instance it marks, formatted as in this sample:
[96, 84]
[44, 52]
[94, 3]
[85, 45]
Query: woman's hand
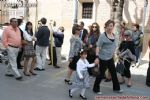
[34, 38]
[90, 46]
[96, 61]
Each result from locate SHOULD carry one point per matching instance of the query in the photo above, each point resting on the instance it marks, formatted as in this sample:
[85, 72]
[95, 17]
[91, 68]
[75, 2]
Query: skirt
[29, 50]
[73, 63]
[78, 83]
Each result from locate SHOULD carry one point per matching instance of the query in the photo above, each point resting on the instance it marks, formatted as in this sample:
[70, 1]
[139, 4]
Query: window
[87, 9]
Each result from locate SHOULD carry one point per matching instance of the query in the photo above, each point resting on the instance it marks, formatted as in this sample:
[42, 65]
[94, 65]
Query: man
[42, 43]
[83, 33]
[20, 53]
[12, 42]
[58, 40]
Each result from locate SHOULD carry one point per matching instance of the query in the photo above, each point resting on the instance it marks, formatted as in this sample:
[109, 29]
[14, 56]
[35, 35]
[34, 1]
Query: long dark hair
[97, 31]
[26, 28]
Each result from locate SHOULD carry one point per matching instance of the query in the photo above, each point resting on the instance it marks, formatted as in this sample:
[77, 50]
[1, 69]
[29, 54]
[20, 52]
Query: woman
[92, 40]
[75, 47]
[105, 49]
[125, 45]
[123, 28]
[29, 51]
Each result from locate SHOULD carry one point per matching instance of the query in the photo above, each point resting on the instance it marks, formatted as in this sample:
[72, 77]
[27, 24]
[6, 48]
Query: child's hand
[81, 78]
[96, 61]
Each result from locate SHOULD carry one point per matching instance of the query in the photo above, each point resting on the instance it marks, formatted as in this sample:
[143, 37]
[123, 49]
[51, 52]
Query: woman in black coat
[127, 44]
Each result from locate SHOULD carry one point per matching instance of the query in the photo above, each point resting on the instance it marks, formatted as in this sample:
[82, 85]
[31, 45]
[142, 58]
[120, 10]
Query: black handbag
[120, 67]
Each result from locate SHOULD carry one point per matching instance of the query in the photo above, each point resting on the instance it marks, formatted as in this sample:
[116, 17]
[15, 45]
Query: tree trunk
[117, 7]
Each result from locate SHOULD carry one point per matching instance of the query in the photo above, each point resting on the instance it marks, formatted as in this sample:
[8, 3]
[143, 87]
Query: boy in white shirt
[81, 78]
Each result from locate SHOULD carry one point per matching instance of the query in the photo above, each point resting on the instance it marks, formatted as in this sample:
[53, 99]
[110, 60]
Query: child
[81, 78]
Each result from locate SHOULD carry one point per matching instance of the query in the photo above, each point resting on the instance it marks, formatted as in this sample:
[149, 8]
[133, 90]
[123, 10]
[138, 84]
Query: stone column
[75, 11]
[144, 14]
[95, 6]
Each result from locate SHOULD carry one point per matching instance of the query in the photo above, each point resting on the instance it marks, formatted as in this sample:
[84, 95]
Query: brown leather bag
[24, 42]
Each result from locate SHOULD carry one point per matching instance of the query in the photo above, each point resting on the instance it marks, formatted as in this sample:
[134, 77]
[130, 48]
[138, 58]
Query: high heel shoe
[33, 73]
[83, 97]
[26, 74]
[68, 82]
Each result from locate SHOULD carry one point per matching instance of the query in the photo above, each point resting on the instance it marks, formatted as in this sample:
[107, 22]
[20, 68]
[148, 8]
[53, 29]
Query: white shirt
[27, 36]
[22, 26]
[82, 66]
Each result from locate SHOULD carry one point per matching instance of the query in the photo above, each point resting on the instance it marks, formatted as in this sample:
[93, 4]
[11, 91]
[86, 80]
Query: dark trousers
[90, 57]
[20, 54]
[103, 66]
[148, 76]
[127, 72]
[54, 55]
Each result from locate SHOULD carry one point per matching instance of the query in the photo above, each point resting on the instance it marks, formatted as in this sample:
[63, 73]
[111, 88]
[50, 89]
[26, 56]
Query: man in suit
[83, 33]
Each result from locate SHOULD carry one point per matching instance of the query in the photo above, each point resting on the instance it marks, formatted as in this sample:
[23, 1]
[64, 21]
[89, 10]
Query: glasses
[94, 26]
[14, 21]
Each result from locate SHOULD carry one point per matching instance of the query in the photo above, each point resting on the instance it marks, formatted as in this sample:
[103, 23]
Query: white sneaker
[99, 93]
[118, 91]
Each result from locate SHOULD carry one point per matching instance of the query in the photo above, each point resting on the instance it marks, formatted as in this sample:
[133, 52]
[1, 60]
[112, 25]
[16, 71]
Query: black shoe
[50, 64]
[129, 86]
[38, 69]
[107, 80]
[68, 82]
[19, 78]
[9, 75]
[118, 91]
[70, 94]
[56, 66]
[43, 69]
[83, 97]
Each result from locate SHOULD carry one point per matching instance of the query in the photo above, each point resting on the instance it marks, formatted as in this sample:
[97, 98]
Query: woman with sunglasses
[127, 45]
[92, 40]
[75, 47]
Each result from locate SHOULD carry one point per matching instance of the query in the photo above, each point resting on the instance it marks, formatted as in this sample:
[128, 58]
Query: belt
[13, 46]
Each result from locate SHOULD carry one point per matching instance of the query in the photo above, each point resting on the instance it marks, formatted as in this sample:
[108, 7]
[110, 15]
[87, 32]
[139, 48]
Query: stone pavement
[49, 85]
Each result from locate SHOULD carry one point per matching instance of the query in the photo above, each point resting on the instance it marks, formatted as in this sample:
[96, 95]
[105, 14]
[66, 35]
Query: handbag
[24, 42]
[95, 71]
[120, 67]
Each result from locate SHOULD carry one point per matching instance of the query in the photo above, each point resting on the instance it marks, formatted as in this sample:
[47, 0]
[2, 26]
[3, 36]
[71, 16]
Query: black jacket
[42, 36]
[85, 33]
[58, 39]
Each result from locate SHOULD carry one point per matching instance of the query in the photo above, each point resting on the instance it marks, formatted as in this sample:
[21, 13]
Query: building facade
[63, 11]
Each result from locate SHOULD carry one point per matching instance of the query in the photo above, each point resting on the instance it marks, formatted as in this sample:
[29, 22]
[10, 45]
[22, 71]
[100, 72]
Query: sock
[74, 89]
[83, 92]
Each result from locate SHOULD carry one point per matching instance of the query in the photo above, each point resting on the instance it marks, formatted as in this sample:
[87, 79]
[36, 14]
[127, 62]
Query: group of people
[22, 43]
[95, 48]
[88, 49]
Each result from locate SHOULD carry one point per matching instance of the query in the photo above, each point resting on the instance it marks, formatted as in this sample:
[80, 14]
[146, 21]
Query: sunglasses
[94, 26]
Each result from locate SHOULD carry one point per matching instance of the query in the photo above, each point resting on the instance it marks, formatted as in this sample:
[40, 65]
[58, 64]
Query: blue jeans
[137, 52]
